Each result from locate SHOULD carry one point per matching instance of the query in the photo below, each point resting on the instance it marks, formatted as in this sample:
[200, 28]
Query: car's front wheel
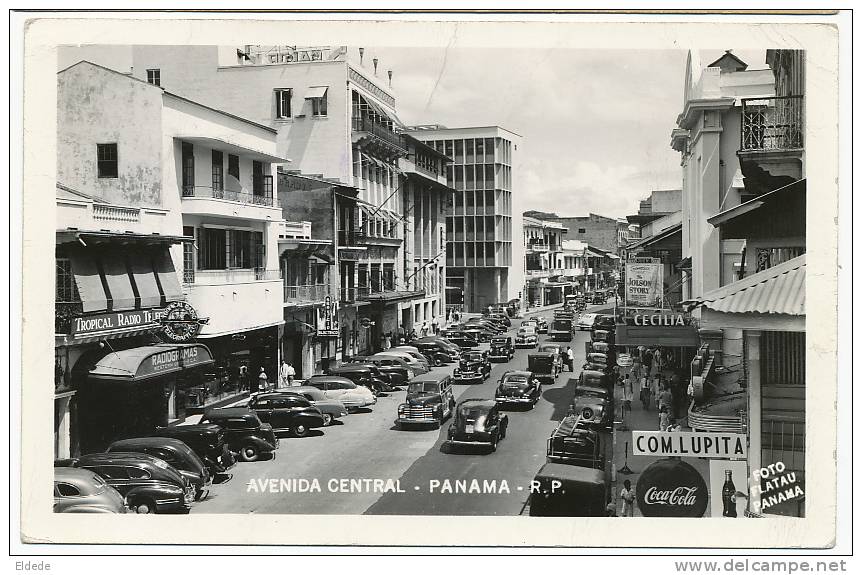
[301, 430]
[493, 443]
[143, 506]
[250, 452]
[327, 420]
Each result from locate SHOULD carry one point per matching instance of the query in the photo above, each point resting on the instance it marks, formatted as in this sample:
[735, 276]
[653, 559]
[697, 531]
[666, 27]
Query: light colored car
[586, 320]
[342, 389]
[413, 352]
[82, 491]
[405, 359]
[331, 409]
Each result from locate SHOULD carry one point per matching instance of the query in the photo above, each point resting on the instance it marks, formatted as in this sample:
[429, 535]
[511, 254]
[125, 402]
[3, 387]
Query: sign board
[107, 323]
[658, 319]
[327, 318]
[671, 488]
[690, 444]
[644, 284]
[728, 488]
[365, 322]
[181, 322]
[172, 360]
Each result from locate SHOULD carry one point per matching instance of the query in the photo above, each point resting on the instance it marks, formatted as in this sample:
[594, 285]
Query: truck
[561, 329]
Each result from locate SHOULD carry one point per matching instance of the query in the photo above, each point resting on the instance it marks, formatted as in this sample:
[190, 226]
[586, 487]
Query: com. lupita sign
[690, 444]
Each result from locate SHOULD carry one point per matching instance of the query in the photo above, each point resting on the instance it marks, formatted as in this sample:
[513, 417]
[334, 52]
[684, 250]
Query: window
[212, 249]
[218, 171]
[106, 155]
[188, 169]
[282, 103]
[582, 230]
[66, 490]
[154, 77]
[66, 291]
[233, 166]
[188, 256]
[137, 473]
[318, 106]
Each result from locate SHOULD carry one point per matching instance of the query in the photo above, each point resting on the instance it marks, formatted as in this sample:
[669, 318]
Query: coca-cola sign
[671, 488]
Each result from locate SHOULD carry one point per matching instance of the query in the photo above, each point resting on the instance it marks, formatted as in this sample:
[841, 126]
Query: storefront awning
[151, 361]
[654, 239]
[650, 335]
[779, 289]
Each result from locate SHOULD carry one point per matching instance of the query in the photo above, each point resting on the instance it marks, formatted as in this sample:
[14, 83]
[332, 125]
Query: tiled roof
[779, 289]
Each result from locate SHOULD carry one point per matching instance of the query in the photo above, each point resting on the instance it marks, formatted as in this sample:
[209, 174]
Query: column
[752, 346]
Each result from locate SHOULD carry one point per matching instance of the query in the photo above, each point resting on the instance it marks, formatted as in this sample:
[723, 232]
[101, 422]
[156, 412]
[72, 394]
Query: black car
[148, 484]
[439, 351]
[477, 422]
[478, 332]
[206, 440]
[461, 338]
[362, 374]
[396, 371]
[487, 323]
[568, 491]
[501, 349]
[286, 412]
[502, 318]
[543, 366]
[174, 452]
[429, 400]
[518, 387]
[596, 379]
[474, 367]
[605, 321]
[541, 324]
[244, 432]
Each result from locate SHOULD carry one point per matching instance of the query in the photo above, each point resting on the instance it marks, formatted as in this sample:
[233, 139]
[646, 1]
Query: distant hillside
[540, 215]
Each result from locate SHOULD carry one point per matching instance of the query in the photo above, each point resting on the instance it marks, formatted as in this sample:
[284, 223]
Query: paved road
[311, 475]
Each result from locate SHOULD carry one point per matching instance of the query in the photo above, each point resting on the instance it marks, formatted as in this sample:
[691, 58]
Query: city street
[369, 446]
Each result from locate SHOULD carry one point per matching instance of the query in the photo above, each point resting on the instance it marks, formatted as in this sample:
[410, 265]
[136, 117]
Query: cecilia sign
[660, 319]
[671, 488]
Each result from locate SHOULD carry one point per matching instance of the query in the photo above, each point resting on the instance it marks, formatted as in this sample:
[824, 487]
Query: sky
[595, 124]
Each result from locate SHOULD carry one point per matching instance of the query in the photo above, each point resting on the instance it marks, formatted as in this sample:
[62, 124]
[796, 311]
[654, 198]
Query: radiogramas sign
[644, 282]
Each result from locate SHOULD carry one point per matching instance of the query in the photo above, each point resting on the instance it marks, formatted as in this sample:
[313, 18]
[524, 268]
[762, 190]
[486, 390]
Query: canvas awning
[316, 92]
[148, 362]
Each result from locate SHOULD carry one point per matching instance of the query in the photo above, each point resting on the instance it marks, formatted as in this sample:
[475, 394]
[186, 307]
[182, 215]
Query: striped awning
[779, 289]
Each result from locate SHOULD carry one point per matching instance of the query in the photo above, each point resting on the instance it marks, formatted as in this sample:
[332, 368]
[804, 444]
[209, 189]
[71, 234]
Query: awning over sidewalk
[779, 289]
[652, 335]
[147, 362]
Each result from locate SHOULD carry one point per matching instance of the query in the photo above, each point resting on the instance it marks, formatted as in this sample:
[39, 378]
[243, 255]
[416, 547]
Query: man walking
[262, 381]
[570, 359]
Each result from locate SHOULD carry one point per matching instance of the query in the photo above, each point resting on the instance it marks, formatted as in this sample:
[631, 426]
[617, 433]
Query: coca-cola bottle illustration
[728, 494]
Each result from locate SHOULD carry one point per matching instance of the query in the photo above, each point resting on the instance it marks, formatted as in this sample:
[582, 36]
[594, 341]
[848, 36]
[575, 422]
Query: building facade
[480, 250]
[153, 233]
[544, 263]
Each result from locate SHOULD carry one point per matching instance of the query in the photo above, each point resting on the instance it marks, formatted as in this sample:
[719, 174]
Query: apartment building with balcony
[335, 118]
[752, 315]
[482, 258]
[152, 231]
[544, 263]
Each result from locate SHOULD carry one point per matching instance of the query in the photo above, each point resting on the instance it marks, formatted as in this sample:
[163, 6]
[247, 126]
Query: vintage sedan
[544, 367]
[82, 491]
[541, 324]
[574, 443]
[366, 375]
[501, 349]
[410, 359]
[331, 409]
[206, 440]
[148, 484]
[526, 337]
[492, 326]
[460, 338]
[429, 400]
[479, 332]
[474, 367]
[344, 390]
[594, 412]
[518, 387]
[245, 433]
[171, 451]
[478, 422]
[286, 412]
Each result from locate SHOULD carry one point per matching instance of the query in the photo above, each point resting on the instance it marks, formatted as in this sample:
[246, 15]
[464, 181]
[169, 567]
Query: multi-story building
[754, 318]
[602, 232]
[480, 250]
[150, 183]
[335, 118]
[544, 264]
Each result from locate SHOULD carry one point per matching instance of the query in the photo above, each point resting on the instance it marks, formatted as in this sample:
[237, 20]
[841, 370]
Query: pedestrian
[262, 381]
[655, 388]
[690, 392]
[628, 393]
[424, 330]
[673, 425]
[665, 398]
[434, 326]
[570, 359]
[456, 316]
[243, 377]
[627, 495]
[412, 334]
[283, 372]
[387, 341]
[663, 419]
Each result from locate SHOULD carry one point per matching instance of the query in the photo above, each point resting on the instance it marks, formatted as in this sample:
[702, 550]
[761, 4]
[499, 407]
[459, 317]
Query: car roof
[149, 442]
[187, 429]
[592, 373]
[76, 475]
[117, 456]
[282, 392]
[571, 473]
[518, 373]
[540, 353]
[429, 378]
[224, 412]
[332, 378]
[352, 367]
[478, 402]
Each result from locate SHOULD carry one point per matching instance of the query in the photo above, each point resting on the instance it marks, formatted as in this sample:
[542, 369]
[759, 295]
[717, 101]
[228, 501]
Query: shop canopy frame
[149, 362]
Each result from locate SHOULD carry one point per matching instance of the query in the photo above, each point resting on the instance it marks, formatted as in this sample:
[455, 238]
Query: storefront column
[752, 347]
[62, 447]
[171, 392]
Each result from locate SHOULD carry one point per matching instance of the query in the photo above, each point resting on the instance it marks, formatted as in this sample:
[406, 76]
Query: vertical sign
[327, 322]
[644, 283]
[728, 488]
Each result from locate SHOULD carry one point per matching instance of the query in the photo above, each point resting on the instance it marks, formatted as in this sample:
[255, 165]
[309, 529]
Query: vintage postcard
[538, 280]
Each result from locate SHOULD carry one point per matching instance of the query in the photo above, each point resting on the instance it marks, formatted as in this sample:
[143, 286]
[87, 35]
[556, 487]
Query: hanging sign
[690, 444]
[327, 318]
[644, 284]
[671, 488]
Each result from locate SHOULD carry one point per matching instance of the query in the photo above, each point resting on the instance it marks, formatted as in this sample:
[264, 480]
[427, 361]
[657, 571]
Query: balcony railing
[770, 124]
[219, 277]
[347, 237]
[111, 213]
[231, 196]
[364, 123]
[315, 292]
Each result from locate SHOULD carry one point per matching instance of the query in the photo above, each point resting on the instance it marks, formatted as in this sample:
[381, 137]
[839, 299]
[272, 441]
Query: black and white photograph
[500, 277]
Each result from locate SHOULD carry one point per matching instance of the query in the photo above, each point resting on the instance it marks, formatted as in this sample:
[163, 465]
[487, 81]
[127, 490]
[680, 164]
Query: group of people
[405, 338]
[286, 377]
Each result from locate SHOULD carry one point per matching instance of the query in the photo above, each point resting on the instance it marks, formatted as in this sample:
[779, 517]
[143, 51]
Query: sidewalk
[640, 419]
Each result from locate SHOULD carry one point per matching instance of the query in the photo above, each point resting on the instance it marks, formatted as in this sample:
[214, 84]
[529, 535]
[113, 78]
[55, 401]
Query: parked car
[206, 440]
[82, 491]
[479, 332]
[477, 422]
[518, 387]
[526, 337]
[286, 412]
[597, 362]
[502, 317]
[543, 366]
[596, 380]
[148, 484]
[414, 360]
[605, 322]
[501, 349]
[174, 452]
[493, 326]
[474, 367]
[568, 491]
[440, 350]
[361, 374]
[586, 320]
[460, 338]
[495, 321]
[429, 400]
[344, 390]
[395, 367]
[331, 409]
[413, 352]
[245, 433]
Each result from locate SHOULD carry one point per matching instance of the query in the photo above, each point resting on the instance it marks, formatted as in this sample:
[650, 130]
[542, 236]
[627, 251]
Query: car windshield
[422, 387]
[515, 381]
[498, 341]
[473, 356]
[470, 414]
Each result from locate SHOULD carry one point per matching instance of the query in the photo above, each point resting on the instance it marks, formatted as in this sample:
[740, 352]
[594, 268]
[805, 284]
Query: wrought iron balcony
[347, 237]
[315, 292]
[773, 124]
[364, 123]
[262, 199]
